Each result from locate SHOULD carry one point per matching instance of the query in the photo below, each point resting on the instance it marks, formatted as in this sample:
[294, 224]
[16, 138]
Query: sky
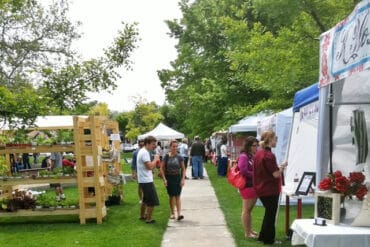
[101, 21]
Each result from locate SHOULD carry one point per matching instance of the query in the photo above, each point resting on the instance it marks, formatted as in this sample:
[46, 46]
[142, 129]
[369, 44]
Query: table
[305, 232]
[290, 193]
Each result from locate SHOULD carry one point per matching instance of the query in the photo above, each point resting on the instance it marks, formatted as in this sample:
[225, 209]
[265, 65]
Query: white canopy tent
[247, 124]
[51, 122]
[162, 132]
[280, 123]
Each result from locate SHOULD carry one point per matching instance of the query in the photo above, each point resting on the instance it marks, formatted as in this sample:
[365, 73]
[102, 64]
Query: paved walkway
[204, 223]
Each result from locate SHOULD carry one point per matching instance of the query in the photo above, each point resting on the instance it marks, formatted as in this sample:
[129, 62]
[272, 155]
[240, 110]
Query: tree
[33, 37]
[35, 53]
[68, 85]
[143, 118]
[100, 109]
[237, 57]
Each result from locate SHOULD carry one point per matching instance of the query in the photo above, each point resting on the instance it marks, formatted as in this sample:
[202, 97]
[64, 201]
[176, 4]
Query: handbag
[235, 178]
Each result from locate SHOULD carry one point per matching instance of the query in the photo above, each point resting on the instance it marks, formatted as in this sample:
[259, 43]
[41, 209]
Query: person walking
[248, 194]
[134, 169]
[197, 153]
[184, 152]
[267, 183]
[222, 165]
[173, 170]
[145, 178]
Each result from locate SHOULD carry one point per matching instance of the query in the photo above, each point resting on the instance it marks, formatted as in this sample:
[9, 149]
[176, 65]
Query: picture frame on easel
[305, 183]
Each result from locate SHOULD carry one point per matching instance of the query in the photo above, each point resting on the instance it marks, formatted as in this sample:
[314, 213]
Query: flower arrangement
[353, 185]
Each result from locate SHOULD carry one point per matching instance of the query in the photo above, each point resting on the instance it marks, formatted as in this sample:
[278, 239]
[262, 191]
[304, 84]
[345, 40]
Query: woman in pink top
[245, 164]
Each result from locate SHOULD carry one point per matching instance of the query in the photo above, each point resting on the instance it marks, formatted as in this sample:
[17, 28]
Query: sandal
[251, 235]
[150, 222]
[180, 217]
[172, 217]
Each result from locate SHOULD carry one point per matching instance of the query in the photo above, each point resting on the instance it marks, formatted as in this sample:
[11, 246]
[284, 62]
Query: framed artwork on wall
[327, 206]
[305, 183]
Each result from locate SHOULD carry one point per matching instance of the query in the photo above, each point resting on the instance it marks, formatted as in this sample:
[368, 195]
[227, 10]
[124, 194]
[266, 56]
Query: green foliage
[40, 73]
[4, 169]
[237, 57]
[143, 119]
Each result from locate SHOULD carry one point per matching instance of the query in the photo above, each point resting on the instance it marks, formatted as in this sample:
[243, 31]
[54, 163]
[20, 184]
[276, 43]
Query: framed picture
[327, 206]
[305, 183]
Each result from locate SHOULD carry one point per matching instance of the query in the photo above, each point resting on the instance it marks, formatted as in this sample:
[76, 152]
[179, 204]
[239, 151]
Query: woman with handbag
[248, 194]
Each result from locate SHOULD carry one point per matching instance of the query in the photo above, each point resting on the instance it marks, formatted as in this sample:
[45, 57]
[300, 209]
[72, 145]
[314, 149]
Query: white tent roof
[163, 132]
[247, 124]
[51, 122]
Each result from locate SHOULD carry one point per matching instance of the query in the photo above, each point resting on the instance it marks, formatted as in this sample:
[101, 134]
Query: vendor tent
[345, 96]
[50, 122]
[162, 132]
[247, 124]
[302, 146]
[280, 123]
[240, 131]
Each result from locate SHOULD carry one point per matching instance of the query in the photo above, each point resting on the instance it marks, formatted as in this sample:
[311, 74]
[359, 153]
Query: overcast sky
[101, 21]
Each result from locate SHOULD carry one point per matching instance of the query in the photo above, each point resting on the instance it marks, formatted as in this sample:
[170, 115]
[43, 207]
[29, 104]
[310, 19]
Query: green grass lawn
[122, 227]
[231, 204]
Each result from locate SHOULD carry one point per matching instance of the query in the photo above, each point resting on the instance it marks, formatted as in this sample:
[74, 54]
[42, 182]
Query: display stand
[90, 138]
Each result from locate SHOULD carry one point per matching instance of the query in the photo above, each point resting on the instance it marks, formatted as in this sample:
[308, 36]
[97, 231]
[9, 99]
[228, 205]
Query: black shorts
[150, 197]
[55, 185]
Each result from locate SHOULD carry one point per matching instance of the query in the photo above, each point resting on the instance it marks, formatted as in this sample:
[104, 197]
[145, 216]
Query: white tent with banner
[345, 95]
[162, 132]
[280, 123]
[302, 145]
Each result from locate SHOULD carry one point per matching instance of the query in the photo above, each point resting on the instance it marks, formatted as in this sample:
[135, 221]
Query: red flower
[356, 177]
[361, 192]
[342, 184]
[325, 184]
[353, 185]
[338, 174]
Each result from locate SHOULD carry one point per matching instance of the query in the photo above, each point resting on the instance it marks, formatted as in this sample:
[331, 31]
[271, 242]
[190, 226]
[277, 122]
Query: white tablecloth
[305, 232]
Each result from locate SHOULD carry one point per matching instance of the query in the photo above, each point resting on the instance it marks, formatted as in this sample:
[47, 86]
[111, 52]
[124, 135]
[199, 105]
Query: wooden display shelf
[30, 212]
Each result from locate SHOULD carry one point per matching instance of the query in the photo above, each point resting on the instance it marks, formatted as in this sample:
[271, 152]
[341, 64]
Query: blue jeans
[222, 167]
[197, 162]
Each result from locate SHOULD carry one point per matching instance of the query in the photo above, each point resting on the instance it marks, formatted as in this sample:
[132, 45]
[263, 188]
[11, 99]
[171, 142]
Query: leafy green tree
[238, 57]
[68, 86]
[36, 56]
[143, 118]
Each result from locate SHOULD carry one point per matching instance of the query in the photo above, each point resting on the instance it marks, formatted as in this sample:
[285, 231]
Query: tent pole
[330, 103]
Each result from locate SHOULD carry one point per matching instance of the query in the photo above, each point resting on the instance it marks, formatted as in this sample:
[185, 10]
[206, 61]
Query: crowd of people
[256, 163]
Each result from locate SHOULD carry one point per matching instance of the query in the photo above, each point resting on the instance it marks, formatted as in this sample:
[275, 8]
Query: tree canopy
[37, 61]
[239, 57]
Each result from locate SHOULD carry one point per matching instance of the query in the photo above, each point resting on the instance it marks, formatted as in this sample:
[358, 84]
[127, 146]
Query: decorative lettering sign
[345, 49]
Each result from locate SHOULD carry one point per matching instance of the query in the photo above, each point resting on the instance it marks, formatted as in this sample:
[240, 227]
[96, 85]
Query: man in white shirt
[145, 178]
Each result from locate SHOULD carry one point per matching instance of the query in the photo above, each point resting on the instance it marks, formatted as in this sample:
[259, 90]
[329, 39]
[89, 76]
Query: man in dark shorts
[145, 178]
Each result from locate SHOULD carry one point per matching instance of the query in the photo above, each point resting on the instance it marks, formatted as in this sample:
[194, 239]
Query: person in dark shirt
[197, 153]
[267, 184]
